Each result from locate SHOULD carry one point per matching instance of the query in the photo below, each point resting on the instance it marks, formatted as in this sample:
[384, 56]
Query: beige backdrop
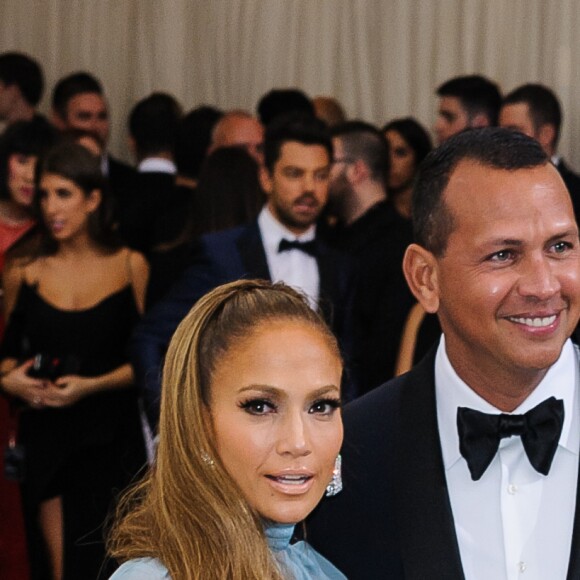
[380, 58]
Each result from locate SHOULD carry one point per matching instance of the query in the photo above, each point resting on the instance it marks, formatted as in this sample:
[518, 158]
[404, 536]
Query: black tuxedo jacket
[224, 257]
[393, 519]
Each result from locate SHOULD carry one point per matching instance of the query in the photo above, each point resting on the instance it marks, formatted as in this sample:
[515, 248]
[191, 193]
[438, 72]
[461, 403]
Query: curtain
[381, 58]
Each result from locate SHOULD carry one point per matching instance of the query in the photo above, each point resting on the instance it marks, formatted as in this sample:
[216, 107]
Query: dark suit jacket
[393, 519]
[224, 257]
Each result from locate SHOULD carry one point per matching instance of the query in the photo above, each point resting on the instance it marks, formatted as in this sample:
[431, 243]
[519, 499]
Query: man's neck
[361, 200]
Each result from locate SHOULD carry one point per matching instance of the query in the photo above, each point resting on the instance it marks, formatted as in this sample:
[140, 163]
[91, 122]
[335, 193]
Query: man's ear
[357, 171]
[546, 137]
[265, 180]
[421, 272]
[57, 120]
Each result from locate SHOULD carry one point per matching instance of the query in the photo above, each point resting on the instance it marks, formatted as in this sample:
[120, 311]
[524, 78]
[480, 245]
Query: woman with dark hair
[72, 305]
[20, 147]
[228, 194]
[409, 144]
[249, 436]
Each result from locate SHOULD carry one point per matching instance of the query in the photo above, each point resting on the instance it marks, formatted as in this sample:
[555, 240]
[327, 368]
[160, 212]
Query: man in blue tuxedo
[467, 466]
[281, 246]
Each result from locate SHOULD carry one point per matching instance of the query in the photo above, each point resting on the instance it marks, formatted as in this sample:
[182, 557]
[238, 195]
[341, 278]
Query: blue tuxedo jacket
[393, 519]
[224, 257]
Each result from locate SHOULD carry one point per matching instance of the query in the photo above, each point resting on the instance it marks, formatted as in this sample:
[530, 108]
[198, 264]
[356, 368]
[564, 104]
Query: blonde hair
[188, 512]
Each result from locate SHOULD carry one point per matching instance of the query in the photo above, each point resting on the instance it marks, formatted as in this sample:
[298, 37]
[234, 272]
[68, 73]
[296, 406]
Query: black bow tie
[306, 247]
[539, 428]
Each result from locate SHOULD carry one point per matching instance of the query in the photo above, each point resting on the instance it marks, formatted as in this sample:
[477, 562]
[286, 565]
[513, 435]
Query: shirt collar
[451, 392]
[273, 231]
[157, 165]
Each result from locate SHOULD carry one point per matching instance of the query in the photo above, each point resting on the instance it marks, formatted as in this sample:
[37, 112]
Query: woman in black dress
[71, 307]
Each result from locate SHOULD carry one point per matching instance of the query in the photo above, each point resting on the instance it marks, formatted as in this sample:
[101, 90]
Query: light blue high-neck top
[297, 561]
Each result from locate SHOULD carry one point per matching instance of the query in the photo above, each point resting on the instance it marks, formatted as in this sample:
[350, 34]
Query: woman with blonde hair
[249, 436]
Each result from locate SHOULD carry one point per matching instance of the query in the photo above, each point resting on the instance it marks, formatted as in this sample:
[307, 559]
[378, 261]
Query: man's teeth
[535, 322]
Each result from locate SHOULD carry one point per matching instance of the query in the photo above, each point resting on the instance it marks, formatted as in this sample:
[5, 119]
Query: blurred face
[516, 116]
[276, 418]
[339, 186]
[509, 281]
[88, 111]
[402, 159]
[452, 118]
[244, 132]
[297, 188]
[21, 178]
[65, 207]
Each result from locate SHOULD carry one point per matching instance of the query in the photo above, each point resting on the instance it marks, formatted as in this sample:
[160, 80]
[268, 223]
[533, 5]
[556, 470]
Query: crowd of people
[249, 275]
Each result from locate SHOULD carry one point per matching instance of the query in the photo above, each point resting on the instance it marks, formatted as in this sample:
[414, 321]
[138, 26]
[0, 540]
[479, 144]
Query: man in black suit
[281, 245]
[153, 211]
[466, 467]
[535, 110]
[78, 102]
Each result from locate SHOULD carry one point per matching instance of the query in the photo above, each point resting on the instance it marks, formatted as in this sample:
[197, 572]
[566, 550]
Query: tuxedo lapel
[252, 254]
[427, 533]
[574, 566]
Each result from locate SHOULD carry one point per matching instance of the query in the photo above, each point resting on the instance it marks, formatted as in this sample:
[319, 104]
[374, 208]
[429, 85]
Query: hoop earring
[335, 485]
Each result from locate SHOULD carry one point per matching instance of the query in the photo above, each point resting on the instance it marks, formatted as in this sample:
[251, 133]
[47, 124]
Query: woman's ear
[421, 271]
[94, 199]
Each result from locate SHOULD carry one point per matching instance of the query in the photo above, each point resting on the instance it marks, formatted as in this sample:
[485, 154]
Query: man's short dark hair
[70, 86]
[477, 95]
[543, 106]
[305, 129]
[361, 140]
[283, 102]
[24, 72]
[153, 123]
[492, 147]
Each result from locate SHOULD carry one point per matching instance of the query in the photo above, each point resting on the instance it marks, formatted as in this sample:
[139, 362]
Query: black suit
[393, 519]
[224, 257]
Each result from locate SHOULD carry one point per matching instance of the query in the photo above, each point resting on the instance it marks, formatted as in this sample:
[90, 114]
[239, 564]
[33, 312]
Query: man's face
[88, 111]
[7, 99]
[452, 118]
[297, 188]
[516, 116]
[339, 185]
[508, 283]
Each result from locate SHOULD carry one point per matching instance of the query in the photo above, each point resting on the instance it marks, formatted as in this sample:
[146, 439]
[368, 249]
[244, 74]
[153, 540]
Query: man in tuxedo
[466, 102]
[153, 211]
[535, 110]
[78, 102]
[281, 246]
[466, 467]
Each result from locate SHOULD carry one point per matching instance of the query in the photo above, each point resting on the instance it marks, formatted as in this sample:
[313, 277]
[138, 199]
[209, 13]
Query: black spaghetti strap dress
[86, 453]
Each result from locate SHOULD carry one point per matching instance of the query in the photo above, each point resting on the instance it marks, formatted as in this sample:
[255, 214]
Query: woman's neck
[13, 213]
[401, 200]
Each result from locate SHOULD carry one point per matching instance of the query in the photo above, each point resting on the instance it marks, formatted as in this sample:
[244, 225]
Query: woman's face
[402, 159]
[21, 178]
[65, 207]
[275, 400]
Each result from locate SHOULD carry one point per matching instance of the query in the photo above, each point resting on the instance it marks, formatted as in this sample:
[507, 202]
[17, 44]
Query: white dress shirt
[514, 523]
[157, 165]
[294, 267]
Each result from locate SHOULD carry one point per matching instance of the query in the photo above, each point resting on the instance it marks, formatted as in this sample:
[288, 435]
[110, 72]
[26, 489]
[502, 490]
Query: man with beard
[370, 230]
[281, 245]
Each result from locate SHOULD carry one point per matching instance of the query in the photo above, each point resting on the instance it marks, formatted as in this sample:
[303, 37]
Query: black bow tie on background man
[539, 428]
[306, 247]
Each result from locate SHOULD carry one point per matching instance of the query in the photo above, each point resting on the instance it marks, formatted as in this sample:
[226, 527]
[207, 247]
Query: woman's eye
[325, 407]
[258, 407]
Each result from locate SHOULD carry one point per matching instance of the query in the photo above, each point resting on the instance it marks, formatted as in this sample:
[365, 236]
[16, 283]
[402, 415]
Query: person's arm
[139, 272]
[11, 281]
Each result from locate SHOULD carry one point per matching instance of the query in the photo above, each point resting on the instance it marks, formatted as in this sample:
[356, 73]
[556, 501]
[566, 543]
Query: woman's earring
[207, 459]
[335, 485]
